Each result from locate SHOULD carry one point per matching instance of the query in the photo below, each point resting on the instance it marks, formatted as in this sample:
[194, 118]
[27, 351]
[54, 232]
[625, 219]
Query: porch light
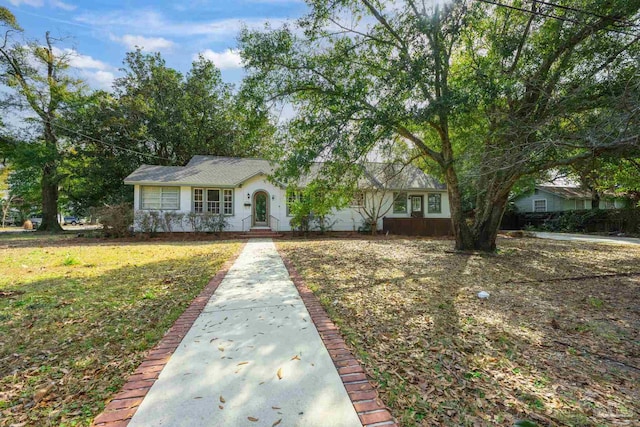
[273, 197]
[248, 196]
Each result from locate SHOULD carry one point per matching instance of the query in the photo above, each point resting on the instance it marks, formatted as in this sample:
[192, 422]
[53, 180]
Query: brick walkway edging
[369, 407]
[124, 405]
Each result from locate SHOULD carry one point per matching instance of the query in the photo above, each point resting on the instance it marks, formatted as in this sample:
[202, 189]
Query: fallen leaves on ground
[542, 348]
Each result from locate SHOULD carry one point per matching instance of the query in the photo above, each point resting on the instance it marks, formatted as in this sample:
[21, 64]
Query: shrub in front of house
[116, 220]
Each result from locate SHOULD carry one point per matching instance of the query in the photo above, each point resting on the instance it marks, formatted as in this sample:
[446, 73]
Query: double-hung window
[434, 203]
[358, 200]
[540, 205]
[292, 197]
[161, 198]
[213, 200]
[399, 202]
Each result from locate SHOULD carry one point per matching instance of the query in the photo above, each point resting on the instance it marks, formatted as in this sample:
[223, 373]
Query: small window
[162, 198]
[228, 201]
[358, 200]
[399, 202]
[292, 197]
[434, 204]
[198, 200]
[540, 205]
[213, 201]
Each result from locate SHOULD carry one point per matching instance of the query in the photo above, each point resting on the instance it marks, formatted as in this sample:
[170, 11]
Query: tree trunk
[481, 236]
[50, 221]
[595, 199]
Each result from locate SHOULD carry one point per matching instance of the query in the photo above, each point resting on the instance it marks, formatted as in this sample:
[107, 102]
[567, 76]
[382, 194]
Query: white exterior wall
[348, 219]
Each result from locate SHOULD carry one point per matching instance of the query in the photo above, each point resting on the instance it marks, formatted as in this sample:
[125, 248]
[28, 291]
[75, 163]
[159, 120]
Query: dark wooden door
[417, 210]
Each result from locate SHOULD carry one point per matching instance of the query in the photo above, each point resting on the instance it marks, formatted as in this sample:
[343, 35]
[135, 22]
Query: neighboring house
[240, 189]
[554, 198]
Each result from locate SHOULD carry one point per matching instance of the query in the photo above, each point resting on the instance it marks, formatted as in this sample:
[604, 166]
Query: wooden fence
[418, 226]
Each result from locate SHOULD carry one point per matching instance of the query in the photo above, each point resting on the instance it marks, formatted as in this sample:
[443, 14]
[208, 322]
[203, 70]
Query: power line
[586, 12]
[106, 143]
[552, 16]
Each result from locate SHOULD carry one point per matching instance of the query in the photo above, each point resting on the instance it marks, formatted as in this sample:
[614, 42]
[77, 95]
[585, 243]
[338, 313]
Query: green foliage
[487, 93]
[315, 203]
[8, 19]
[156, 115]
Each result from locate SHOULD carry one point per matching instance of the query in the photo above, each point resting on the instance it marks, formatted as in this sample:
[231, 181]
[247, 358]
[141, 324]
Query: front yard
[557, 342]
[76, 316]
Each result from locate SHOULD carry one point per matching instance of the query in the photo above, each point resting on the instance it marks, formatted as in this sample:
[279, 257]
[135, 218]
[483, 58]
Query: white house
[240, 189]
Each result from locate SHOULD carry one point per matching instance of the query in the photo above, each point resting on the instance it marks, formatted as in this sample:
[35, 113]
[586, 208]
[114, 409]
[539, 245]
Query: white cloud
[62, 5]
[33, 3]
[149, 22]
[78, 60]
[39, 3]
[99, 79]
[228, 59]
[145, 43]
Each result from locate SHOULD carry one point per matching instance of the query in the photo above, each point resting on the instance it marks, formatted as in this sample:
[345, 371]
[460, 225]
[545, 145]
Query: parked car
[36, 220]
[73, 220]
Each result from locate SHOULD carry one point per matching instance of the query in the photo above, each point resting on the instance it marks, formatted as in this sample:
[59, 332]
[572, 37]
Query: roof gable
[233, 171]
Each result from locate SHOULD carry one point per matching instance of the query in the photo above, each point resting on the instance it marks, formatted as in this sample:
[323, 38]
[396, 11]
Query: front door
[416, 207]
[260, 209]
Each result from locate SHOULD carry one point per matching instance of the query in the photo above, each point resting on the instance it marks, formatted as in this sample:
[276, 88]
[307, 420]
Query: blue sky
[98, 33]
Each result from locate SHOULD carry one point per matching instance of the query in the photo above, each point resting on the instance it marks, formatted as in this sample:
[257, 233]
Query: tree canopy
[488, 92]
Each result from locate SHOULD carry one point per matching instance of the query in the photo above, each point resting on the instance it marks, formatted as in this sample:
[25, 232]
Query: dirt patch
[556, 342]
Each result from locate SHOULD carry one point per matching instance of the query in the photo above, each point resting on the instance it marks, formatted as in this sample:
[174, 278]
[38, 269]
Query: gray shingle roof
[566, 192]
[396, 176]
[202, 170]
[232, 171]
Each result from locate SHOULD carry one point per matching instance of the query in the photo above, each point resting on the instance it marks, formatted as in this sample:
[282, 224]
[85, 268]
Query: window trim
[296, 195]
[439, 211]
[162, 188]
[358, 200]
[205, 200]
[400, 195]
[540, 200]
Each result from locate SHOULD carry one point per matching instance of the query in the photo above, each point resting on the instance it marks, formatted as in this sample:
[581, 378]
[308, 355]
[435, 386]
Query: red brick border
[370, 409]
[121, 408]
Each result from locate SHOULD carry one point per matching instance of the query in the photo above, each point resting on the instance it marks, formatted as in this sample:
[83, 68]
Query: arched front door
[260, 208]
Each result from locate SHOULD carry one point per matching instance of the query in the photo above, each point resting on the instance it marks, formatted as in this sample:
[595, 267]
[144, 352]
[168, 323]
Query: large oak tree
[489, 92]
[36, 75]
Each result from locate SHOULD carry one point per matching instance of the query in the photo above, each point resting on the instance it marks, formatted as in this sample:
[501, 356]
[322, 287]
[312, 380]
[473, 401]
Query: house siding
[347, 219]
[556, 203]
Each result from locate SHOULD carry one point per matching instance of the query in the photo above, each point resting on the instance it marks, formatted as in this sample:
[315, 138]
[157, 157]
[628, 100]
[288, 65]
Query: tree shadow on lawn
[70, 341]
[442, 356]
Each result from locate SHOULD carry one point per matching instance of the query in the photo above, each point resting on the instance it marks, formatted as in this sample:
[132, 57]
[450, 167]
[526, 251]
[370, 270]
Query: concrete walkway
[588, 238]
[252, 358]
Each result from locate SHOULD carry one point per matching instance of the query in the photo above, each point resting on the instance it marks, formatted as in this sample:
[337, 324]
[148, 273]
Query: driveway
[588, 238]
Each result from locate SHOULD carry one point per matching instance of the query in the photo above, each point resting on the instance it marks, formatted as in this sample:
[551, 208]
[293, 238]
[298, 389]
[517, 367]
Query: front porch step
[257, 232]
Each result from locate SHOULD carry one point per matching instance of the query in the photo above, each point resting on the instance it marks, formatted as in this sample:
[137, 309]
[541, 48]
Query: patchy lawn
[76, 316]
[545, 346]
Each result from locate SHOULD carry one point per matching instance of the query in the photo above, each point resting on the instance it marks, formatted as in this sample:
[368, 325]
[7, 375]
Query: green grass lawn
[76, 316]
